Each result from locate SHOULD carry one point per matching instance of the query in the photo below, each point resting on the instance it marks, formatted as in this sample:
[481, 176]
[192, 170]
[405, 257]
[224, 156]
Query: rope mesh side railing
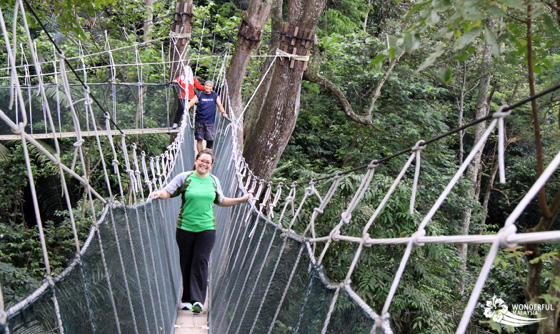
[265, 273]
[247, 280]
[98, 291]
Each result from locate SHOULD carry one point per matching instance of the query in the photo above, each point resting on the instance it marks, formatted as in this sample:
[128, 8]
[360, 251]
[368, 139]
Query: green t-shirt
[197, 195]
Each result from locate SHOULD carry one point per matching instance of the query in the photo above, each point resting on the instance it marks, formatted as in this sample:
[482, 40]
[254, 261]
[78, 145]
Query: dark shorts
[203, 131]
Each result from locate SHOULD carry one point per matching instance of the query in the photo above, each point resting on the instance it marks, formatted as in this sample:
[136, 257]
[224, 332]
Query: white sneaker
[186, 306]
[197, 307]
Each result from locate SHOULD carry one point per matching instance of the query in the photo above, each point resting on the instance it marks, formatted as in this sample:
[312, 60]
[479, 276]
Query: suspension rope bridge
[267, 270]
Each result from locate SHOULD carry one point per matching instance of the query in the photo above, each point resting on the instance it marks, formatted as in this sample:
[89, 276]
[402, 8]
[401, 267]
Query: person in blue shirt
[206, 115]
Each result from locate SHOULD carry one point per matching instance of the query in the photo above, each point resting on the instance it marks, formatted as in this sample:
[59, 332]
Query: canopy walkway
[267, 270]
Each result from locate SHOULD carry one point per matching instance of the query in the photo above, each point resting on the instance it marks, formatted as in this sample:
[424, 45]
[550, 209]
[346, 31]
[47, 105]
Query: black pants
[179, 112]
[194, 254]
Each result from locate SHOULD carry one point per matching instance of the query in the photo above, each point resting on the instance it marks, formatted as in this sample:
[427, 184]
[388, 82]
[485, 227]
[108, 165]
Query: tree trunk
[253, 111]
[550, 324]
[278, 116]
[180, 36]
[474, 167]
[248, 39]
[149, 17]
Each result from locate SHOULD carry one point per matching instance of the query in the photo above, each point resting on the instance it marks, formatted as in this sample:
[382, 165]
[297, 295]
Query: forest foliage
[443, 42]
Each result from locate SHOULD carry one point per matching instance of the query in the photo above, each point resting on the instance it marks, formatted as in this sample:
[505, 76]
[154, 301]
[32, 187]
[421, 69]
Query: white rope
[417, 149]
[284, 54]
[500, 115]
[431, 213]
[504, 235]
[254, 93]
[346, 216]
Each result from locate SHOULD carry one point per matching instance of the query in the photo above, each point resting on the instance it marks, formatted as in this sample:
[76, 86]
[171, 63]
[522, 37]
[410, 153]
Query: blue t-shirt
[206, 111]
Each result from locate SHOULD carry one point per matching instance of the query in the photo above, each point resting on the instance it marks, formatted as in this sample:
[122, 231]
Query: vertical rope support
[115, 161]
[365, 234]
[15, 88]
[331, 309]
[272, 323]
[119, 252]
[234, 266]
[27, 81]
[417, 149]
[3, 315]
[40, 227]
[346, 216]
[269, 284]
[247, 276]
[508, 229]
[432, 212]
[139, 68]
[113, 75]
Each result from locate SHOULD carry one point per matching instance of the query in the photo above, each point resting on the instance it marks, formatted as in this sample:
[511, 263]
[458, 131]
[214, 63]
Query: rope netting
[268, 270]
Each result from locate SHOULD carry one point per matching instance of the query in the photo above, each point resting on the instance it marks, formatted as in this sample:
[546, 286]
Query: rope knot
[504, 233]
[115, 162]
[78, 143]
[501, 113]
[334, 235]
[49, 279]
[383, 318]
[365, 238]
[346, 217]
[337, 175]
[56, 160]
[416, 236]
[419, 146]
[373, 164]
[20, 129]
[318, 210]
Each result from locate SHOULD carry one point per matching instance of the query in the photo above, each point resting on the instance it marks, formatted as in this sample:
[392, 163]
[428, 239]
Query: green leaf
[445, 74]
[467, 38]
[377, 61]
[430, 60]
[433, 19]
[547, 63]
[441, 5]
[464, 55]
[411, 42]
[491, 40]
[517, 4]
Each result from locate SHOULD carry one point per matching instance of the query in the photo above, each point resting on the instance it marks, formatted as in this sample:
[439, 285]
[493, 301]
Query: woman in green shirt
[196, 229]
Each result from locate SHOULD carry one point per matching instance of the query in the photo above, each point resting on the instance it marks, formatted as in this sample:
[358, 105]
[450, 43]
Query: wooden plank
[92, 133]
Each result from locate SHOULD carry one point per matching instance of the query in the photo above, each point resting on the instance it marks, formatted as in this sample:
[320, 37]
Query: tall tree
[472, 174]
[249, 36]
[252, 113]
[180, 35]
[149, 17]
[280, 110]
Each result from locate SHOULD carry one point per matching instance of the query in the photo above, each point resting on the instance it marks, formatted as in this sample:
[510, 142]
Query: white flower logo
[497, 310]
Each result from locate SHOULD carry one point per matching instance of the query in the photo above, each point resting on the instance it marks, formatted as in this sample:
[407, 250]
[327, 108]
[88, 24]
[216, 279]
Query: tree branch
[312, 75]
[381, 82]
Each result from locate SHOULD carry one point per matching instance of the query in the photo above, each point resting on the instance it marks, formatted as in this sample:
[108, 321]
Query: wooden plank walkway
[92, 133]
[192, 323]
